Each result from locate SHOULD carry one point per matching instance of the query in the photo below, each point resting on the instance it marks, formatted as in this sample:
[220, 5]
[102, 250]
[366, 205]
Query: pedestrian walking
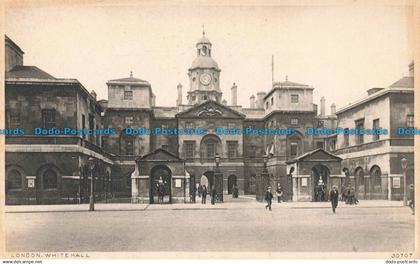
[200, 190]
[279, 193]
[334, 198]
[213, 195]
[268, 198]
[203, 194]
[411, 197]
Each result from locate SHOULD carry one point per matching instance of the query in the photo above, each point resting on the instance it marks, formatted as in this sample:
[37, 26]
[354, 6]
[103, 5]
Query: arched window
[375, 174]
[49, 179]
[360, 176]
[209, 146]
[14, 179]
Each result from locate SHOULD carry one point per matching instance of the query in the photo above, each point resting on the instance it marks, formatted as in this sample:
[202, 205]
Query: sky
[341, 50]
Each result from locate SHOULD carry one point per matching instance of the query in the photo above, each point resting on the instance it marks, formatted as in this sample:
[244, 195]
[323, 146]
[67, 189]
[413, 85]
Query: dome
[204, 62]
[203, 40]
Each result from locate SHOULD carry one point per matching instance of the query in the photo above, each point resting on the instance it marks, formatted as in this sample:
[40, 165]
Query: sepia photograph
[200, 129]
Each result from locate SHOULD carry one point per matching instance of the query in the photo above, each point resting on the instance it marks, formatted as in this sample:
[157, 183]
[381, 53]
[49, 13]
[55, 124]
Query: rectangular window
[295, 98]
[189, 125]
[232, 149]
[189, 149]
[83, 125]
[332, 145]
[346, 137]
[129, 145]
[293, 149]
[272, 100]
[129, 120]
[252, 151]
[104, 140]
[320, 124]
[375, 125]
[360, 124]
[48, 118]
[211, 150]
[164, 127]
[128, 95]
[294, 122]
[13, 120]
[320, 144]
[266, 105]
[231, 126]
[410, 121]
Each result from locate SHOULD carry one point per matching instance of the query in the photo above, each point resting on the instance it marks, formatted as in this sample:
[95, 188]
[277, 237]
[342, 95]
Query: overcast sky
[341, 50]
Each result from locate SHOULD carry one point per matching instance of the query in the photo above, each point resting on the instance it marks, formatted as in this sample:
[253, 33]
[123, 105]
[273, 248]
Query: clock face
[205, 79]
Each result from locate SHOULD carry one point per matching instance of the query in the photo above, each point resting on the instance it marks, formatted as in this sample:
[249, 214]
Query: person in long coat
[213, 195]
[268, 198]
[203, 194]
[334, 198]
[411, 197]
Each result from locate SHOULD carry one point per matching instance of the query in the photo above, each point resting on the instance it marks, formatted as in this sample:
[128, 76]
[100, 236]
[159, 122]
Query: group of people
[269, 197]
[348, 194]
[202, 192]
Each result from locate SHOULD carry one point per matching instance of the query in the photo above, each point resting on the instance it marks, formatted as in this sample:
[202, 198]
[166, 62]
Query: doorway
[160, 175]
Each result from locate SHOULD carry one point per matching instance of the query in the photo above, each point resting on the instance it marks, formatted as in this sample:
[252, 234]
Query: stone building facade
[128, 165]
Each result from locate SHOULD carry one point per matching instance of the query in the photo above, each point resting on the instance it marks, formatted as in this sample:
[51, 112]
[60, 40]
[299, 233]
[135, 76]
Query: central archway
[207, 179]
[160, 174]
[320, 174]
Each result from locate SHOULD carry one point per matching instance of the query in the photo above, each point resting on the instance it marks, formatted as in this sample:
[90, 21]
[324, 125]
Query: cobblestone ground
[240, 225]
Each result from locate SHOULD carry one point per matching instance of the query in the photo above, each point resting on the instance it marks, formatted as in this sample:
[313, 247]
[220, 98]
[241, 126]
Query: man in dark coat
[213, 195]
[268, 198]
[334, 198]
[203, 194]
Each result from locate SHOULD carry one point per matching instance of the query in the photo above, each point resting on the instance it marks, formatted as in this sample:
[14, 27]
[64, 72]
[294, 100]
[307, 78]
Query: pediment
[210, 109]
[160, 155]
[316, 155]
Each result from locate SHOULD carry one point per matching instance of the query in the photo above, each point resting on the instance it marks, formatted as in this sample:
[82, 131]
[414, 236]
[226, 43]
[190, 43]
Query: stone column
[134, 184]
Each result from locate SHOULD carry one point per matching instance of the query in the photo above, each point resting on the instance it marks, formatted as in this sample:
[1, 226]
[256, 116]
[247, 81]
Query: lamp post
[218, 178]
[91, 162]
[265, 161]
[404, 164]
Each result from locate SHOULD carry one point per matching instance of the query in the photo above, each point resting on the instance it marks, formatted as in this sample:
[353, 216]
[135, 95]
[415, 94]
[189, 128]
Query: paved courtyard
[236, 225]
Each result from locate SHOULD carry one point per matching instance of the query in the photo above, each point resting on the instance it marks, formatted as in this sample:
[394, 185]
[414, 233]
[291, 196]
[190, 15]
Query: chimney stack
[333, 109]
[153, 100]
[179, 99]
[252, 101]
[234, 93]
[323, 106]
[260, 99]
[411, 69]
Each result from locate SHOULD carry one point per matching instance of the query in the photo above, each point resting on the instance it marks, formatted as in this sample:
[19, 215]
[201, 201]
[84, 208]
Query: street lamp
[404, 164]
[91, 163]
[218, 178]
[217, 160]
[265, 160]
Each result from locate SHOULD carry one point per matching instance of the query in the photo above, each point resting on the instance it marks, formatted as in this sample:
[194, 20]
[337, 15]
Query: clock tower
[204, 75]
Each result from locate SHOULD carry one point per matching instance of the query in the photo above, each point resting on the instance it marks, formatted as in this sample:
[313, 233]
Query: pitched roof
[404, 82]
[129, 79]
[156, 152]
[27, 72]
[311, 153]
[195, 107]
[289, 84]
